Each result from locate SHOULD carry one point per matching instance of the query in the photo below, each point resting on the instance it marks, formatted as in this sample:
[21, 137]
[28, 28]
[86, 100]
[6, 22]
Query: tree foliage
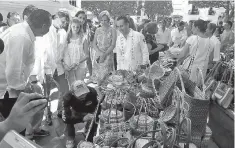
[159, 8]
[115, 8]
[206, 4]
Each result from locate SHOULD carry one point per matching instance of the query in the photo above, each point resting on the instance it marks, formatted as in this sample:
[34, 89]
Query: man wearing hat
[77, 107]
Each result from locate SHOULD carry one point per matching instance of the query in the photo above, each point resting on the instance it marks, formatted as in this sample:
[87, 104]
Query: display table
[221, 122]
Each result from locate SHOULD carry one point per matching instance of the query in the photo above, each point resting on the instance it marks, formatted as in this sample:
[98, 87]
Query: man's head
[123, 24]
[61, 19]
[28, 10]
[79, 89]
[228, 25]
[211, 27]
[40, 22]
[13, 18]
[181, 26]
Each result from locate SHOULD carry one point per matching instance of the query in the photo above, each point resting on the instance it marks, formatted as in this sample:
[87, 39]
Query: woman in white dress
[75, 53]
[196, 51]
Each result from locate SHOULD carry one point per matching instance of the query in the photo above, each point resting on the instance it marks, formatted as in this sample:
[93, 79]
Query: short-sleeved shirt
[199, 49]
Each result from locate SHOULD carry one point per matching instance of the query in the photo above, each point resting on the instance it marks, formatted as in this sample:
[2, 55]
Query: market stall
[152, 106]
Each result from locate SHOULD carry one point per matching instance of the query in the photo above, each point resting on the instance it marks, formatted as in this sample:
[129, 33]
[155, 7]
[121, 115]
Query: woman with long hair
[75, 53]
[82, 17]
[196, 51]
[103, 44]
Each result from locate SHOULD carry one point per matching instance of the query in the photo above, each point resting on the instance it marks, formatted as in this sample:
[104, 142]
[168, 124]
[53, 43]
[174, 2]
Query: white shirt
[17, 59]
[131, 52]
[163, 37]
[199, 49]
[54, 42]
[215, 44]
[178, 37]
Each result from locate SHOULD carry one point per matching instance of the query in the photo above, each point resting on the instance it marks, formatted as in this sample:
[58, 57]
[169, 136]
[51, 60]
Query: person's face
[104, 21]
[181, 27]
[82, 18]
[82, 97]
[14, 20]
[122, 26]
[44, 30]
[63, 22]
[75, 28]
[128, 16]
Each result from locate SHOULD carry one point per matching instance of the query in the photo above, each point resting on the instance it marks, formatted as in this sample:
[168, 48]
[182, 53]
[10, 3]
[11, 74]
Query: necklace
[123, 50]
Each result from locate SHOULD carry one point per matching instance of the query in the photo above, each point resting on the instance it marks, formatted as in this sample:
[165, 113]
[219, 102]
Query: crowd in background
[41, 47]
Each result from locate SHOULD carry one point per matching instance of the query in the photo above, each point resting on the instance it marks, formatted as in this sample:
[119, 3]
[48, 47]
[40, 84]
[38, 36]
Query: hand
[88, 117]
[24, 110]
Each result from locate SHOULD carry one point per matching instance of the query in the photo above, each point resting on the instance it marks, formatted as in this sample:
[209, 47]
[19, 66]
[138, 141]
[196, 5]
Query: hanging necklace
[123, 50]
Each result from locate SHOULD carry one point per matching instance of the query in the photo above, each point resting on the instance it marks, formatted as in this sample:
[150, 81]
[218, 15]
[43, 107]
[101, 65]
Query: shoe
[70, 144]
[41, 133]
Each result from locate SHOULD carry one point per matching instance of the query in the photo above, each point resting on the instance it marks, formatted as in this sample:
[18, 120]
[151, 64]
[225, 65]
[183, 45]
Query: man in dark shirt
[77, 106]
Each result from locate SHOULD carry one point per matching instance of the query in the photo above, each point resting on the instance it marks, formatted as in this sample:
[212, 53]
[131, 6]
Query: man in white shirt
[131, 47]
[17, 59]
[178, 35]
[214, 43]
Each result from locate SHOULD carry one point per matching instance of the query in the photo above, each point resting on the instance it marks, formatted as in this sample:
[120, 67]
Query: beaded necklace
[132, 48]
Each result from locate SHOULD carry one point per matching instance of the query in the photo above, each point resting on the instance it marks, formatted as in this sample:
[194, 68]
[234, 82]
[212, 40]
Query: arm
[114, 38]
[184, 52]
[159, 48]
[144, 50]
[88, 57]
[20, 51]
[217, 51]
[95, 40]
[66, 111]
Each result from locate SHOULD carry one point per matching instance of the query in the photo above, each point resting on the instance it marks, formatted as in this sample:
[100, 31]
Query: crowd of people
[42, 47]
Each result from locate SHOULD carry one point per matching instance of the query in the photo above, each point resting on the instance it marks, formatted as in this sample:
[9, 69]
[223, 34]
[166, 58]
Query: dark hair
[202, 25]
[230, 23]
[181, 23]
[124, 18]
[221, 23]
[88, 21]
[1, 45]
[132, 24]
[10, 14]
[85, 24]
[1, 17]
[28, 10]
[212, 26]
[39, 17]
